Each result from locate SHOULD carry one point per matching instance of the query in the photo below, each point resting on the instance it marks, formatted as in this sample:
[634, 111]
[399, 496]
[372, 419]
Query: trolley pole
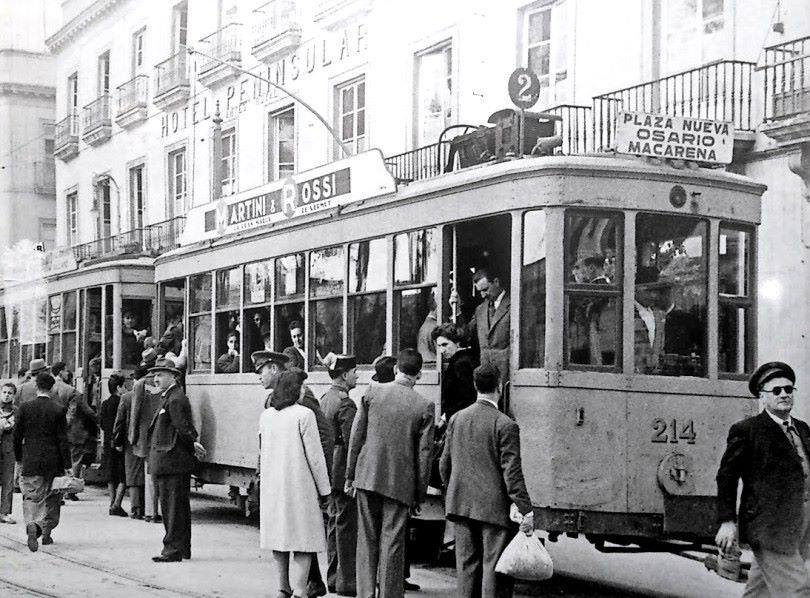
[295, 97]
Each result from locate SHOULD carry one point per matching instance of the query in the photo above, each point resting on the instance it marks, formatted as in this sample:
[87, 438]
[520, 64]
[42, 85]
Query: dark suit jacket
[40, 440]
[771, 506]
[172, 435]
[458, 390]
[391, 446]
[480, 466]
[324, 428]
[493, 339]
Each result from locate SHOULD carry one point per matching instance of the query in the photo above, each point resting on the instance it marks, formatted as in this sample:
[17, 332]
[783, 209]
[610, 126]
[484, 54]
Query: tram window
[593, 290]
[670, 296]
[108, 326]
[69, 322]
[533, 291]
[290, 277]
[55, 315]
[366, 311]
[200, 322]
[4, 369]
[734, 320]
[326, 279]
[93, 324]
[228, 325]
[416, 269]
[289, 333]
[170, 325]
[289, 308]
[258, 285]
[135, 317]
[14, 342]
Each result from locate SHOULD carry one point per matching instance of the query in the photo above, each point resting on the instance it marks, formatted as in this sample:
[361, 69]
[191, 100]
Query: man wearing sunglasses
[769, 452]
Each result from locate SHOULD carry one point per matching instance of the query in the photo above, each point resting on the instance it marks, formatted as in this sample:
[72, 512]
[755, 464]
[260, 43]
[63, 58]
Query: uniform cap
[262, 358]
[769, 371]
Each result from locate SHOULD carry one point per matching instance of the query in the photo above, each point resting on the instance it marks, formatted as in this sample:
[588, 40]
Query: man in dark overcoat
[388, 465]
[481, 469]
[41, 448]
[173, 453]
[769, 453]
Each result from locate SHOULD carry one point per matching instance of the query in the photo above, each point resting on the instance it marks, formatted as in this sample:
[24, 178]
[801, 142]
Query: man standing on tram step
[490, 323]
[269, 365]
[480, 467]
[769, 453]
[341, 535]
[389, 461]
[173, 455]
[28, 390]
[41, 448]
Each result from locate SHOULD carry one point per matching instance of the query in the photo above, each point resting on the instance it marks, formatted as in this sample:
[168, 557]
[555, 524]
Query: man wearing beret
[173, 454]
[769, 453]
[340, 410]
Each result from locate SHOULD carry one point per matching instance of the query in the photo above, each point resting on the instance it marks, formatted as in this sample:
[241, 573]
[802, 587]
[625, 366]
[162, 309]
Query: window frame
[229, 162]
[173, 177]
[356, 140]
[72, 209]
[103, 77]
[274, 139]
[351, 294]
[137, 195]
[748, 301]
[138, 39]
[446, 48]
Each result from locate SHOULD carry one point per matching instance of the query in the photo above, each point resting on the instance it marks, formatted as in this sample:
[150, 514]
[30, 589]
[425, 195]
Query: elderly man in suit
[28, 390]
[389, 461]
[480, 466]
[173, 453]
[769, 453]
[40, 446]
[490, 324]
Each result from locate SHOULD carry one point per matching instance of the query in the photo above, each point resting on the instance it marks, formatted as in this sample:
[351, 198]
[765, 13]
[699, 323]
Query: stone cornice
[24, 89]
[70, 30]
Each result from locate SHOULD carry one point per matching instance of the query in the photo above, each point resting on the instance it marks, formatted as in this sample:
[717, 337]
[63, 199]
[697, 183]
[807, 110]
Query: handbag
[525, 558]
[67, 484]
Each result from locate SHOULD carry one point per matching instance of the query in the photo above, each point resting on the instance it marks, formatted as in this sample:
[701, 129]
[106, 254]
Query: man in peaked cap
[340, 410]
[769, 452]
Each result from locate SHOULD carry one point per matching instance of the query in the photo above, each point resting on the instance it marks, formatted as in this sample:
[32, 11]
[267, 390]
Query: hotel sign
[674, 137]
[339, 183]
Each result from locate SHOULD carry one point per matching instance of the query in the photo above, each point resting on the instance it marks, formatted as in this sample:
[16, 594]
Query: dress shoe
[157, 519]
[118, 511]
[316, 590]
[167, 559]
[46, 539]
[412, 587]
[32, 531]
[71, 497]
[7, 519]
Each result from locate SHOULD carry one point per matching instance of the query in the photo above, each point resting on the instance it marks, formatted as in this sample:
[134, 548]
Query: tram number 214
[673, 431]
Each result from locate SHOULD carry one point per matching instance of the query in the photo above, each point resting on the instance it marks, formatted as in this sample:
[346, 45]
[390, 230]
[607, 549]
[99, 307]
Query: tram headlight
[677, 196]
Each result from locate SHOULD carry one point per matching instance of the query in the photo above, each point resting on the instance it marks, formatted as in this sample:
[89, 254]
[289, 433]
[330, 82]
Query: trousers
[40, 505]
[150, 493]
[381, 524]
[342, 543]
[479, 545]
[6, 481]
[175, 504]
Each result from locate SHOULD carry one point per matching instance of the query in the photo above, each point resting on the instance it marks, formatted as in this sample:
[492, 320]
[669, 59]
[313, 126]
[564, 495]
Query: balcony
[66, 138]
[171, 81]
[275, 31]
[332, 14]
[133, 102]
[577, 128]
[45, 177]
[421, 163]
[150, 240]
[96, 123]
[225, 45]
[719, 90]
[787, 91]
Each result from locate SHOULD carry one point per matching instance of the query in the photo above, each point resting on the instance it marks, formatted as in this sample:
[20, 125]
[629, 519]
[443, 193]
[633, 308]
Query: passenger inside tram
[228, 363]
[131, 339]
[296, 351]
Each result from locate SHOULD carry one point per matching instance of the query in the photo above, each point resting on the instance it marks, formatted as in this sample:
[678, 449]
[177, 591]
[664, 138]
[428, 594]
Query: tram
[633, 316]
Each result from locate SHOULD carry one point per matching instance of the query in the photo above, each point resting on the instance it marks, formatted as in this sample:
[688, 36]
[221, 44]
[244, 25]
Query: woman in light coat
[294, 476]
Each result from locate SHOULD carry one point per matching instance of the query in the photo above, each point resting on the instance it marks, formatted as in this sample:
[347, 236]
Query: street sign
[524, 88]
[674, 137]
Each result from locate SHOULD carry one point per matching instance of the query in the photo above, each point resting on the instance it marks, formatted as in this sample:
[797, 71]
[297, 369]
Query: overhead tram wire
[295, 97]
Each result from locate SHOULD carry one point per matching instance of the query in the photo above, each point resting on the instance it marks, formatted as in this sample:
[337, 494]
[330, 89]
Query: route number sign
[524, 88]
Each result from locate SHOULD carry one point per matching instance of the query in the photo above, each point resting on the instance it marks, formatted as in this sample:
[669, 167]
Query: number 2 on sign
[525, 83]
[673, 432]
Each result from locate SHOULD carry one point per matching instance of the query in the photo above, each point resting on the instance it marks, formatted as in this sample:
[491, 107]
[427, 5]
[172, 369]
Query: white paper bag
[525, 558]
[67, 484]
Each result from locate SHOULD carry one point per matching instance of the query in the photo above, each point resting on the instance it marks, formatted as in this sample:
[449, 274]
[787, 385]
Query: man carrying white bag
[480, 467]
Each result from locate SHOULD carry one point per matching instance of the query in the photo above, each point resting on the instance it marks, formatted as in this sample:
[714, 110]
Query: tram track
[144, 584]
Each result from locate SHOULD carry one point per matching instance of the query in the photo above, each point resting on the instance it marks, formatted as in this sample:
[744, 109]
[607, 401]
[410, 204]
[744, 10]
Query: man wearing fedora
[28, 390]
[340, 410]
[173, 454]
[769, 453]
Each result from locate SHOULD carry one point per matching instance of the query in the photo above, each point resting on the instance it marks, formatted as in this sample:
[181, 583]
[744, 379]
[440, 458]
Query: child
[8, 413]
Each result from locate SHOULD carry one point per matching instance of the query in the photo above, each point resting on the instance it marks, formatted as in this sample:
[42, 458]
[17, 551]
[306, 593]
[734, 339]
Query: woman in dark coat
[112, 457]
[458, 390]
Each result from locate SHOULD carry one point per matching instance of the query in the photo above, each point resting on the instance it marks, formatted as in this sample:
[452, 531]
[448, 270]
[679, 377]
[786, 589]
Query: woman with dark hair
[112, 457]
[458, 390]
[228, 363]
[291, 456]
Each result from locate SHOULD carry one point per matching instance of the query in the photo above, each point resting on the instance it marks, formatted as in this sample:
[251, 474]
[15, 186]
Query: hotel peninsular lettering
[318, 53]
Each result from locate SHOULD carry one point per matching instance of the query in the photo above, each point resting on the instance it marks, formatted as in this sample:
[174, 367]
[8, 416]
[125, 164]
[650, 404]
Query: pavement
[95, 554]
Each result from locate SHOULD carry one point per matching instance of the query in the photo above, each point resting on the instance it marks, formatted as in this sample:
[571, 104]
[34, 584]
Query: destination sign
[346, 181]
[674, 137]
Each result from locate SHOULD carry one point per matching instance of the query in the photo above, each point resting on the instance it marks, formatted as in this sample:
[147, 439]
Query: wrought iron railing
[719, 90]
[66, 131]
[224, 44]
[577, 128]
[787, 79]
[171, 73]
[133, 94]
[271, 19]
[96, 114]
[153, 239]
[420, 163]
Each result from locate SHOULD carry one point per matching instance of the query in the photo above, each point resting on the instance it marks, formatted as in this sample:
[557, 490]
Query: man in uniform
[769, 453]
[340, 410]
[173, 454]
